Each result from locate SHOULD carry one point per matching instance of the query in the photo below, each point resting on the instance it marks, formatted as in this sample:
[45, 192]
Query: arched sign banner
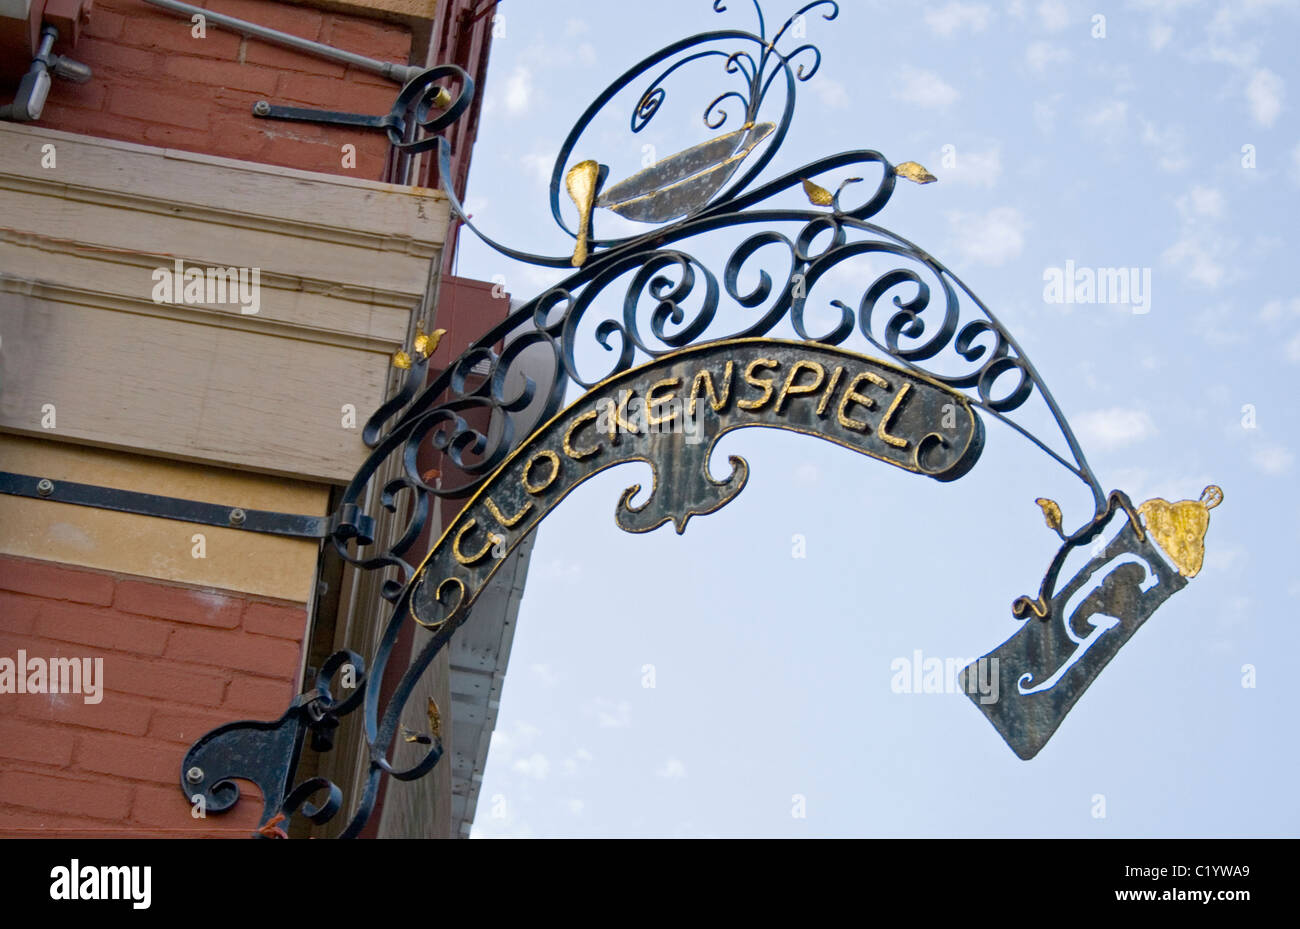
[677, 385]
[670, 414]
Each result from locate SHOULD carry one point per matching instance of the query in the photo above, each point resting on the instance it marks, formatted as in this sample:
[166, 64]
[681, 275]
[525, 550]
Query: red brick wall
[178, 661]
[157, 85]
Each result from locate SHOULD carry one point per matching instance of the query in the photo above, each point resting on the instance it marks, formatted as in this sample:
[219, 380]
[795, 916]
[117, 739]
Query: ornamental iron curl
[916, 313]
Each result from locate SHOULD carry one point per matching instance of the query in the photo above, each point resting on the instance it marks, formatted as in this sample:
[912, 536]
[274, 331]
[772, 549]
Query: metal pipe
[394, 72]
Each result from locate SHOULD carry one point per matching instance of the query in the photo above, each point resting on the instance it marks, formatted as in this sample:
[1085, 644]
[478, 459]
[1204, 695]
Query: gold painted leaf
[426, 345]
[914, 172]
[1051, 513]
[401, 360]
[435, 719]
[817, 195]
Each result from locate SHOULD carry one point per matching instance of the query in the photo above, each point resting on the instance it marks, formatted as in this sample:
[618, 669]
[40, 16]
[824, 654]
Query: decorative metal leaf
[914, 172]
[401, 360]
[1051, 513]
[426, 345]
[435, 719]
[817, 195]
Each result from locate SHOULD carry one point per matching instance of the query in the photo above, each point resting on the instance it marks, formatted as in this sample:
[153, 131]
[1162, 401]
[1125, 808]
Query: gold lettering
[544, 454]
[791, 388]
[881, 431]
[492, 539]
[650, 401]
[852, 396]
[767, 384]
[577, 454]
[507, 522]
[717, 401]
[830, 390]
[620, 414]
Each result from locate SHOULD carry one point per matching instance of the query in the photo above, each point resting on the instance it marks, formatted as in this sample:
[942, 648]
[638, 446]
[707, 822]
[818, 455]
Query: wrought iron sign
[679, 373]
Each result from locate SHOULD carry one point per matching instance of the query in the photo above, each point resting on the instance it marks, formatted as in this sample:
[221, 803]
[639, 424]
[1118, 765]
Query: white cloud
[1272, 459]
[535, 766]
[1113, 428]
[950, 19]
[1200, 252]
[575, 806]
[1041, 55]
[991, 238]
[672, 769]
[1295, 164]
[546, 674]
[1054, 15]
[1196, 261]
[1170, 145]
[833, 94]
[1107, 118]
[978, 169]
[1264, 94]
[1293, 349]
[519, 89]
[1159, 35]
[924, 88]
[610, 714]
[1201, 201]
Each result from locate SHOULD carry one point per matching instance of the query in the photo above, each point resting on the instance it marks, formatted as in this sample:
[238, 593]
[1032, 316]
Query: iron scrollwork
[907, 307]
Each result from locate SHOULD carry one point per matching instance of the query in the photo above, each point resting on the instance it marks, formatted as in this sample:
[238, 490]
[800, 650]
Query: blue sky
[1169, 143]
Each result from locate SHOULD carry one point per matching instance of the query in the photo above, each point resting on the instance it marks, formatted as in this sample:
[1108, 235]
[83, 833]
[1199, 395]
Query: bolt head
[45, 487]
[237, 517]
[194, 775]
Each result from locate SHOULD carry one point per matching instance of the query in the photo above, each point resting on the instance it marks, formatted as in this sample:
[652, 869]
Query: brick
[308, 156]
[295, 20]
[148, 678]
[335, 94]
[179, 604]
[92, 122]
[374, 40]
[286, 59]
[185, 726]
[17, 823]
[103, 24]
[83, 96]
[285, 622]
[65, 795]
[115, 713]
[102, 628]
[154, 106]
[113, 56]
[27, 741]
[243, 652]
[226, 102]
[222, 74]
[54, 581]
[18, 614]
[191, 140]
[259, 697]
[123, 756]
[165, 808]
[237, 136]
[171, 34]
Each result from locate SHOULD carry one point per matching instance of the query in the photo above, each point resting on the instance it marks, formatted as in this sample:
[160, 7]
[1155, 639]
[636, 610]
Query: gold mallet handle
[581, 185]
